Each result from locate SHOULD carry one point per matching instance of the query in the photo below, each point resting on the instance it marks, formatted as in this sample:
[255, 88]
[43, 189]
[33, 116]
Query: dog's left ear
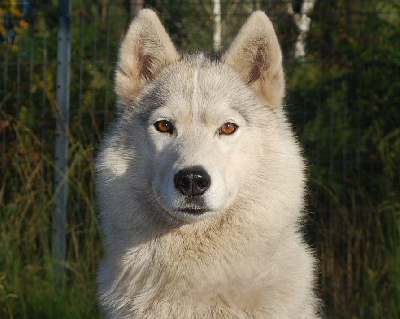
[256, 56]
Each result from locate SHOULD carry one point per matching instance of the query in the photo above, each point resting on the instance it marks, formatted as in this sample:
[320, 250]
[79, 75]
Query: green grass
[27, 286]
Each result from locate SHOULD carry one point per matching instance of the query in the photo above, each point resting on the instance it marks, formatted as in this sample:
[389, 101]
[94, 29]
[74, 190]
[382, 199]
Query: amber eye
[228, 128]
[164, 126]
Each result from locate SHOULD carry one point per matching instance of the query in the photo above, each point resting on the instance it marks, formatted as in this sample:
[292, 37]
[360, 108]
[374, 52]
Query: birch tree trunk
[303, 23]
[217, 25]
[135, 6]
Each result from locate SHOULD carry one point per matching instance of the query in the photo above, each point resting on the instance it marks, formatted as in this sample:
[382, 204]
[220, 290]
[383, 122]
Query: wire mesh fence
[342, 97]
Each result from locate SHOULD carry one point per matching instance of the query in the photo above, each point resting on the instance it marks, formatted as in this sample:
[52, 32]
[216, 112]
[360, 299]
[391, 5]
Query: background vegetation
[343, 98]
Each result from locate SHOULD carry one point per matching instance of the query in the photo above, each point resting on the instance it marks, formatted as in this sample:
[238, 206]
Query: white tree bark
[135, 7]
[303, 22]
[217, 25]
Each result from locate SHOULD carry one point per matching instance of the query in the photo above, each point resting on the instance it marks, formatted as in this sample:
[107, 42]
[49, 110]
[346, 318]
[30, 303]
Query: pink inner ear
[145, 64]
[260, 62]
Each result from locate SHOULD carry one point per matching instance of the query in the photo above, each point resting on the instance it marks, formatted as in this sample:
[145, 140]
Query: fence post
[61, 141]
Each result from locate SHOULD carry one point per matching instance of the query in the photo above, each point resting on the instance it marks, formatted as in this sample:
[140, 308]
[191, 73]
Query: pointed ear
[144, 52]
[256, 56]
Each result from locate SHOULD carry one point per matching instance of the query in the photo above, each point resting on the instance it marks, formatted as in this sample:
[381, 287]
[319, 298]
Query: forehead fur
[199, 82]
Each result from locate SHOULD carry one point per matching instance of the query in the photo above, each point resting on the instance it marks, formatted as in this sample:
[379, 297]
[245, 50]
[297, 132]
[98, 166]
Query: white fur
[242, 258]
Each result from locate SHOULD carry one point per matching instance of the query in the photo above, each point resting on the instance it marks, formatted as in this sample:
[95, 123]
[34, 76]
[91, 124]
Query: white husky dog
[201, 183]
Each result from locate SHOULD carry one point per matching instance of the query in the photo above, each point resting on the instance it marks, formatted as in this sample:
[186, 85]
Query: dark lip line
[195, 211]
[189, 211]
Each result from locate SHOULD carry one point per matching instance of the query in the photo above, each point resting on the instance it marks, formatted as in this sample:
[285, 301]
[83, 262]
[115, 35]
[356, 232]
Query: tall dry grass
[27, 289]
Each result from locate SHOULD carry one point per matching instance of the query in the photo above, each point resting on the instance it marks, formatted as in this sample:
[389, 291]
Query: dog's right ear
[144, 52]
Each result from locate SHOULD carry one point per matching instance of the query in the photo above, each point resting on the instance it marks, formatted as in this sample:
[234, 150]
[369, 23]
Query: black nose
[192, 181]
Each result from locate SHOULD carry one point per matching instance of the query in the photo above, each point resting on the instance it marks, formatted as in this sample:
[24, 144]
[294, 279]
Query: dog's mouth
[192, 206]
[185, 209]
[188, 214]
[193, 211]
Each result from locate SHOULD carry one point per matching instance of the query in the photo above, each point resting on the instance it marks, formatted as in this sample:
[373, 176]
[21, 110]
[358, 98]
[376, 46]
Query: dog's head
[205, 131]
